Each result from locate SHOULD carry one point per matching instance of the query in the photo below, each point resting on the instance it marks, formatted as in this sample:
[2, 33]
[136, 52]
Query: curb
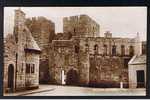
[32, 92]
[36, 92]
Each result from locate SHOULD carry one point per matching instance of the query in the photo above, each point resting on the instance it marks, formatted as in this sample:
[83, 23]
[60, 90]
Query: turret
[138, 45]
[107, 34]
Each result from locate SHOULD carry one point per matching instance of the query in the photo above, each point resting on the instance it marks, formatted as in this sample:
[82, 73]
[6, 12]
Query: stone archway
[11, 77]
[72, 77]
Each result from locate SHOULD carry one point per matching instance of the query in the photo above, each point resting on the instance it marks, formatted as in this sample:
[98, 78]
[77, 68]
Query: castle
[88, 59]
[78, 56]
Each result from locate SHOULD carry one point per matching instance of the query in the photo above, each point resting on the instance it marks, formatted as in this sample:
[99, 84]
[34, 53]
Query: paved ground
[56, 90]
[41, 89]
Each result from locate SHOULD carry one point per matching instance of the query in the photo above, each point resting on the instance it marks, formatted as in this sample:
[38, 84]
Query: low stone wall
[107, 72]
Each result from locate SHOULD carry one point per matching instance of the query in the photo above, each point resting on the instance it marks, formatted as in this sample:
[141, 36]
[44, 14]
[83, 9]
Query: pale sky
[120, 21]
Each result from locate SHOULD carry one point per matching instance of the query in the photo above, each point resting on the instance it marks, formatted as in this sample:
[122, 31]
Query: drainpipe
[16, 72]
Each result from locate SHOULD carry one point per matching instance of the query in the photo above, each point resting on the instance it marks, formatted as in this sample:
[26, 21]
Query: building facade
[21, 57]
[137, 72]
[90, 60]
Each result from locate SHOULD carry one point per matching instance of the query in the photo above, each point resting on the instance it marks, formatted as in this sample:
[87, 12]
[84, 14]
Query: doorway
[11, 77]
[140, 79]
[72, 77]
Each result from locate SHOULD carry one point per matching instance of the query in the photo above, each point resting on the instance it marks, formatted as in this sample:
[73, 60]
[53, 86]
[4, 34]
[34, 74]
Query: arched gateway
[72, 77]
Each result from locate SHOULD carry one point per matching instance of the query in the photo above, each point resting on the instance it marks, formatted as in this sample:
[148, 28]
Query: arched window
[86, 47]
[113, 50]
[77, 49]
[105, 49]
[131, 50]
[122, 50]
[96, 48]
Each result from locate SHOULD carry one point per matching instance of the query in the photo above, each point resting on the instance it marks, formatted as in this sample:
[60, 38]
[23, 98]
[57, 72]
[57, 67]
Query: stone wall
[107, 71]
[32, 78]
[43, 31]
[9, 58]
[94, 67]
[81, 25]
[65, 52]
[89, 43]
[16, 58]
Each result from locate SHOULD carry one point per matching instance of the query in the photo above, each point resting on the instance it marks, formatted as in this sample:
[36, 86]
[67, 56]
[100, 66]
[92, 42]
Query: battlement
[81, 25]
[78, 18]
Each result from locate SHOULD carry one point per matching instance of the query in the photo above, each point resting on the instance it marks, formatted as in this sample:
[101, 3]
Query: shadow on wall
[107, 84]
[44, 76]
[72, 77]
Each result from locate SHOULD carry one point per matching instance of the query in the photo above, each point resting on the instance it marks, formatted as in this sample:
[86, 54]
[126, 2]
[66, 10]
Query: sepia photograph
[75, 51]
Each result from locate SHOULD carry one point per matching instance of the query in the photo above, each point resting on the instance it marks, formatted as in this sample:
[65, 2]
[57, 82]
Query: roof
[31, 43]
[138, 60]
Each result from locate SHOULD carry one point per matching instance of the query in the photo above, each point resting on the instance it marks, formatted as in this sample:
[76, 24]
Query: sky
[120, 21]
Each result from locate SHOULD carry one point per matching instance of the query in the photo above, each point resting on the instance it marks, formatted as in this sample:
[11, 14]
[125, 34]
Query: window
[96, 48]
[126, 60]
[143, 48]
[105, 49]
[32, 68]
[74, 30]
[27, 68]
[86, 47]
[76, 49]
[113, 50]
[122, 50]
[131, 50]
[22, 68]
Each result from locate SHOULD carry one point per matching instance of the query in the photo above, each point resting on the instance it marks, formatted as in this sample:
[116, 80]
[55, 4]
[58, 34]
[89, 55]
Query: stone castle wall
[92, 64]
[81, 25]
[107, 71]
[97, 60]
[43, 31]
[104, 46]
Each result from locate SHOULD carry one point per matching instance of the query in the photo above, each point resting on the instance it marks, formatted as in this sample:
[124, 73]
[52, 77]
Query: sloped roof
[31, 43]
[138, 60]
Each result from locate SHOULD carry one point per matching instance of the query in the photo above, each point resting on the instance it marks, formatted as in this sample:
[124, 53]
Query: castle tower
[81, 25]
[107, 34]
